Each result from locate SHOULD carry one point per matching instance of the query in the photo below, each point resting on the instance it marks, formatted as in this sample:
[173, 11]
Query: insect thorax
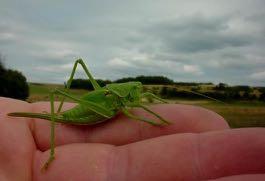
[129, 92]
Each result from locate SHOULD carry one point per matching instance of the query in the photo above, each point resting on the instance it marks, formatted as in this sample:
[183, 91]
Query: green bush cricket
[96, 106]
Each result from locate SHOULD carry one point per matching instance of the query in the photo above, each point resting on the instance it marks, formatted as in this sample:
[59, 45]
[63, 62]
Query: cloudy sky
[199, 40]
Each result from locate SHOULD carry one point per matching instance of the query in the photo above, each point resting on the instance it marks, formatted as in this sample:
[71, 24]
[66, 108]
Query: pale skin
[198, 145]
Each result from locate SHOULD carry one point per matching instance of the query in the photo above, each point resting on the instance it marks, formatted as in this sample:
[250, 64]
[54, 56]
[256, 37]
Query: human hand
[198, 145]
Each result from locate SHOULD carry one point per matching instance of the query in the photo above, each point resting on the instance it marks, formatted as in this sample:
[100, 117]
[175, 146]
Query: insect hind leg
[90, 105]
[95, 107]
[69, 82]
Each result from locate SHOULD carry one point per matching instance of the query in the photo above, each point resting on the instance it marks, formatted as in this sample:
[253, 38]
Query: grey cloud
[222, 52]
[224, 42]
[195, 33]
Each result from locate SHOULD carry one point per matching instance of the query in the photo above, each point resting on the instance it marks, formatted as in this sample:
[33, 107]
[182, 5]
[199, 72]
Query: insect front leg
[69, 82]
[90, 105]
[52, 136]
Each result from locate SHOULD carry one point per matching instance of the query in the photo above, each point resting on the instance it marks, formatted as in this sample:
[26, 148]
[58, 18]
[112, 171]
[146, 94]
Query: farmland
[236, 113]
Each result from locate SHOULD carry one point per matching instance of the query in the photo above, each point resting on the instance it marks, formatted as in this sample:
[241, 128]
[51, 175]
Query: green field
[237, 114]
[40, 92]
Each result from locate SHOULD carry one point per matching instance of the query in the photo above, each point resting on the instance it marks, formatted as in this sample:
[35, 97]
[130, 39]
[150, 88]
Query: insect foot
[47, 163]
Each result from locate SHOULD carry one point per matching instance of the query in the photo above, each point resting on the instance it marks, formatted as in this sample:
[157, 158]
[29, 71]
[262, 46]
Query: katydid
[96, 106]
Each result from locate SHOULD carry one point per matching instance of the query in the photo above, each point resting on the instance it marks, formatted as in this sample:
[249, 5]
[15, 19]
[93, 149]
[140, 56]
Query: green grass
[237, 113]
[40, 92]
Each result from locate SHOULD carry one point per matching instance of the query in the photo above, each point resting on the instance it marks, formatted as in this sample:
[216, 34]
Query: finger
[16, 143]
[122, 130]
[186, 156]
[256, 177]
[198, 157]
[9, 105]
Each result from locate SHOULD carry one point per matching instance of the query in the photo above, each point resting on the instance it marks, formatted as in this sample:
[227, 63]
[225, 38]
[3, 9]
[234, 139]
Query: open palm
[198, 145]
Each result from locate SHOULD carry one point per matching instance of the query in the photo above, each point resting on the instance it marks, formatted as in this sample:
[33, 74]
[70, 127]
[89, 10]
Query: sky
[192, 40]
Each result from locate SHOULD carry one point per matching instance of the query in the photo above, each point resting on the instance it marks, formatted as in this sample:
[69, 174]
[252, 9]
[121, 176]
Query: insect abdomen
[82, 115]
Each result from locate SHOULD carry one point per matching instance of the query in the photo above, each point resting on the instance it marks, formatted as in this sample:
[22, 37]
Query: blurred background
[175, 48]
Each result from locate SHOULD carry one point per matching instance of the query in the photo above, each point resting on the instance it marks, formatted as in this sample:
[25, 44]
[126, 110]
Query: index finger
[123, 130]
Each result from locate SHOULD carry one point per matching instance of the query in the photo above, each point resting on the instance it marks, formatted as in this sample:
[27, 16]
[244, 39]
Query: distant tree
[192, 83]
[86, 84]
[126, 79]
[164, 91]
[154, 80]
[261, 89]
[244, 88]
[221, 86]
[253, 97]
[173, 93]
[196, 88]
[81, 84]
[102, 83]
[246, 95]
[2, 73]
[234, 95]
[161, 80]
[2, 68]
[262, 97]
[13, 83]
